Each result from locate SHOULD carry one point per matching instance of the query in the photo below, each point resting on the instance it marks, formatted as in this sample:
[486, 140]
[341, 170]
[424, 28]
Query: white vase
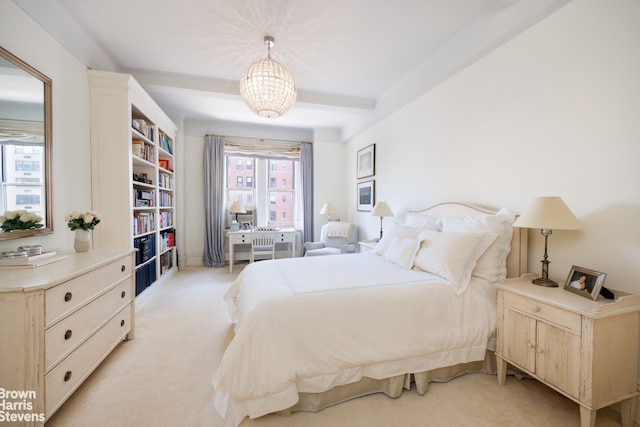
[82, 242]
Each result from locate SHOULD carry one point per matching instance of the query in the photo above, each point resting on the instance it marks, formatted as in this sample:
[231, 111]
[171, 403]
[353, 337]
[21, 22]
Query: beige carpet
[163, 378]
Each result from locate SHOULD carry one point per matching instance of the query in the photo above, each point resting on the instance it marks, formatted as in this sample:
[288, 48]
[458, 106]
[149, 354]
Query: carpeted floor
[163, 378]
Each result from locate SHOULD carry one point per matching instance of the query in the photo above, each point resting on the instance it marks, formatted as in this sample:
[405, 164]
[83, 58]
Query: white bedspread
[309, 324]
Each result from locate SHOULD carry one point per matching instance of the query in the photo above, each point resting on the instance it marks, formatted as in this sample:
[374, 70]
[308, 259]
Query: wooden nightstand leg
[628, 410]
[587, 417]
[502, 370]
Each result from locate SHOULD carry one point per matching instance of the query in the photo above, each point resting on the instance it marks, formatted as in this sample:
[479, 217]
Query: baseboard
[150, 292]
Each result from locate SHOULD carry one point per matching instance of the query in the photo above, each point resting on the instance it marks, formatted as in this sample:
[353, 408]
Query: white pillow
[452, 256]
[402, 251]
[388, 235]
[492, 266]
[420, 221]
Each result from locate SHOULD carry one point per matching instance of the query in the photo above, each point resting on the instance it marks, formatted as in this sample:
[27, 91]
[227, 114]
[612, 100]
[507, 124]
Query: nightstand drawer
[558, 316]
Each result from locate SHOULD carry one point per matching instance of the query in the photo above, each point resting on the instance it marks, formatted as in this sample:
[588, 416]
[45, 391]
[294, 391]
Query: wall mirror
[25, 143]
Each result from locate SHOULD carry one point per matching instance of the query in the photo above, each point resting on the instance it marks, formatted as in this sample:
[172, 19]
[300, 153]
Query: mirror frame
[48, 146]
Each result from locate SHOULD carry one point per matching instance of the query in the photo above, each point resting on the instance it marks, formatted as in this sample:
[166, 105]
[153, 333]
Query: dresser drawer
[69, 296]
[558, 316]
[62, 380]
[67, 334]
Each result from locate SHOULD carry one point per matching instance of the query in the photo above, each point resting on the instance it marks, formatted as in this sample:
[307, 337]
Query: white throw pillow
[452, 256]
[492, 266]
[393, 231]
[402, 251]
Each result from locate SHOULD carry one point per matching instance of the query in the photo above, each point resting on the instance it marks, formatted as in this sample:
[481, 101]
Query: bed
[421, 307]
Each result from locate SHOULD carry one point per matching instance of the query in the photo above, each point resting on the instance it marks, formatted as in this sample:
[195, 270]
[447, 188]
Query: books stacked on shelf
[145, 276]
[165, 143]
[143, 222]
[145, 198]
[143, 127]
[167, 241]
[165, 180]
[166, 199]
[166, 219]
[142, 150]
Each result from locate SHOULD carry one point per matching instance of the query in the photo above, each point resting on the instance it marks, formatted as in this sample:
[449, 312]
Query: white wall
[556, 111]
[20, 35]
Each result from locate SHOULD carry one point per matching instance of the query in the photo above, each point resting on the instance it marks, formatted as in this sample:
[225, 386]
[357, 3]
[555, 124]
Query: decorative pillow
[402, 251]
[393, 231]
[452, 256]
[492, 266]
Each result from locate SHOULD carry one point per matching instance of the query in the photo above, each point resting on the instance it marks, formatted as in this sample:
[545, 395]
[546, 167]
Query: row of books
[144, 127]
[166, 219]
[166, 199]
[142, 150]
[165, 180]
[166, 262]
[165, 143]
[167, 240]
[143, 222]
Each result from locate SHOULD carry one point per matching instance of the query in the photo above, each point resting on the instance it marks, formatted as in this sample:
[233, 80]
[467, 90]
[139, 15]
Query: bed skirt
[392, 387]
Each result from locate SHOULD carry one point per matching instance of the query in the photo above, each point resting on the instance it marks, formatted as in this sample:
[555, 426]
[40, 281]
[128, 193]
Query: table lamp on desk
[236, 208]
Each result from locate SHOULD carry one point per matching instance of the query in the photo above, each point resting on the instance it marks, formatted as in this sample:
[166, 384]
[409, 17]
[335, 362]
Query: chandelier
[267, 87]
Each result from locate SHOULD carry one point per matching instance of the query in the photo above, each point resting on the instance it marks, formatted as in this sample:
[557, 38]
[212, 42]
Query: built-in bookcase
[133, 167]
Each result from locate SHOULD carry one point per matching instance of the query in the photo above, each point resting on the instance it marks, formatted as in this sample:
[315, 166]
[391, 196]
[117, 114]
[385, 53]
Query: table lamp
[236, 208]
[328, 210]
[547, 214]
[381, 209]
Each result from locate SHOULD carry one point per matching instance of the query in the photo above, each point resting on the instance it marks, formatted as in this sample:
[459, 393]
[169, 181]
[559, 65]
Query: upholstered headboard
[517, 258]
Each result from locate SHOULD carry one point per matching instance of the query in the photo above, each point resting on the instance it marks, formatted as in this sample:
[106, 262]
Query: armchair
[335, 238]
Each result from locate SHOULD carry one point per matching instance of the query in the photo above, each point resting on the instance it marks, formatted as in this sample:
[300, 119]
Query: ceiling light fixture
[267, 87]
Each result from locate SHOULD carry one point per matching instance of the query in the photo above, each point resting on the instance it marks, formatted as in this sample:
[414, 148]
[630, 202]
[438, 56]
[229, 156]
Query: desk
[243, 237]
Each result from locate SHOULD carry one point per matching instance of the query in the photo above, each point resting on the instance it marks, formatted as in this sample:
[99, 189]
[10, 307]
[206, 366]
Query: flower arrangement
[82, 220]
[20, 220]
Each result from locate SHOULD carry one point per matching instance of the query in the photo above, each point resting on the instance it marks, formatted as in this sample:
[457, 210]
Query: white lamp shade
[548, 213]
[381, 209]
[237, 207]
[328, 209]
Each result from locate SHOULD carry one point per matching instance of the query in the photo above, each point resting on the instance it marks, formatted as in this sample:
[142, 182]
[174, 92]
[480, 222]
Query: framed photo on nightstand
[585, 282]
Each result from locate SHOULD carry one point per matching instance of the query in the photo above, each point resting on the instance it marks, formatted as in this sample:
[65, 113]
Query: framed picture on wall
[366, 195]
[585, 282]
[367, 161]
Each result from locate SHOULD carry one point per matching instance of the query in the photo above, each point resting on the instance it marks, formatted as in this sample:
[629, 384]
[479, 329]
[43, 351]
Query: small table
[367, 246]
[243, 237]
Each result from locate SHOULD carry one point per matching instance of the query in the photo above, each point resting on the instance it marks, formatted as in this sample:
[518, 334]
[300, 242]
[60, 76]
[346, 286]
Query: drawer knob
[68, 296]
[536, 308]
[67, 376]
[123, 294]
[122, 322]
[68, 334]
[123, 268]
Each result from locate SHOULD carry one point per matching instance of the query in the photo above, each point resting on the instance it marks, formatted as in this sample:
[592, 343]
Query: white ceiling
[354, 61]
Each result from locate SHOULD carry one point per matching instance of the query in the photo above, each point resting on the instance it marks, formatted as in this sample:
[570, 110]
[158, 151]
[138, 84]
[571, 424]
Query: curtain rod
[260, 139]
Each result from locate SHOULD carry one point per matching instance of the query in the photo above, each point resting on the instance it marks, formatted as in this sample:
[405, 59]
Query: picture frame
[366, 196]
[367, 161]
[585, 282]
[246, 225]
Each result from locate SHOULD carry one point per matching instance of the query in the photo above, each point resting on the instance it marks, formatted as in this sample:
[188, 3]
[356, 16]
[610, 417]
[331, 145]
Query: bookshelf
[133, 175]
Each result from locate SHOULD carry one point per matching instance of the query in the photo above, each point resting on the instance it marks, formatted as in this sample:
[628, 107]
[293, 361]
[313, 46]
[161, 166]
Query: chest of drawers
[58, 322]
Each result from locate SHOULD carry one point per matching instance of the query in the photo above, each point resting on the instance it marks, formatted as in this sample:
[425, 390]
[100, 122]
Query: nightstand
[587, 350]
[366, 246]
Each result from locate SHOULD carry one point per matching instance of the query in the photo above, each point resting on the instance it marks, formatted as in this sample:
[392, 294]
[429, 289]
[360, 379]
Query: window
[239, 164]
[274, 203]
[22, 177]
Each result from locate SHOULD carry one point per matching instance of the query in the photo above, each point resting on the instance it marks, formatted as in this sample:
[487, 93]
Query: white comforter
[309, 324]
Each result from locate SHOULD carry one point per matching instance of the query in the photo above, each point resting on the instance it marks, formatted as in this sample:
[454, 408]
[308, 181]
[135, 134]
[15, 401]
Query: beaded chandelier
[267, 87]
